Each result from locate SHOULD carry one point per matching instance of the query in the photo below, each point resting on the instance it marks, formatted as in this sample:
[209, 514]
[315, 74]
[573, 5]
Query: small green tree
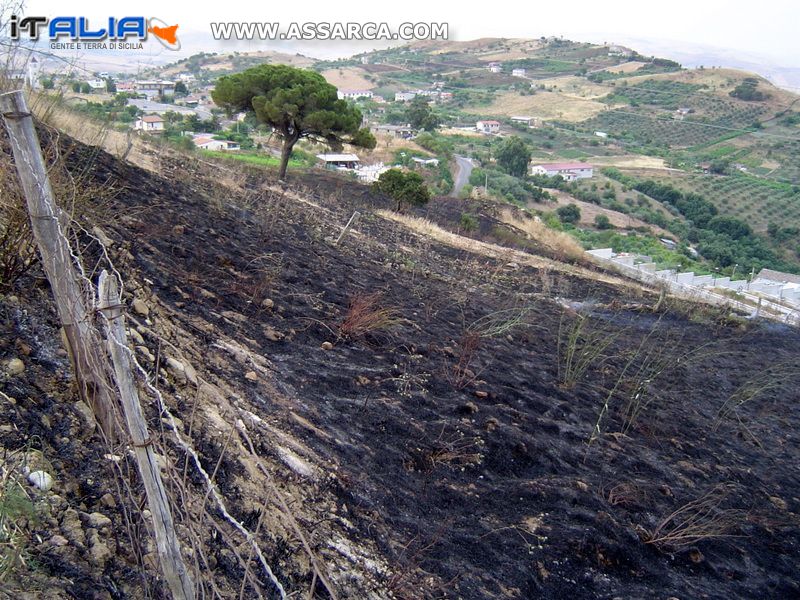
[513, 156]
[180, 88]
[469, 222]
[297, 104]
[420, 115]
[76, 86]
[602, 222]
[569, 213]
[48, 84]
[403, 188]
[86, 88]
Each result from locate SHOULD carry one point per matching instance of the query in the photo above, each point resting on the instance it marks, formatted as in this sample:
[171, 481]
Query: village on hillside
[579, 108]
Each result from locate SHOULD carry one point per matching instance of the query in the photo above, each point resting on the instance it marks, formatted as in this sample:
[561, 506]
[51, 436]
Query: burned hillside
[409, 412]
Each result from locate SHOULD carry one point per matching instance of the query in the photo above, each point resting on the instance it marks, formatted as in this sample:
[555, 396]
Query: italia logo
[78, 29]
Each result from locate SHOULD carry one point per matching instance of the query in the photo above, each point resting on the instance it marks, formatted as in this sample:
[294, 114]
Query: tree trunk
[286, 153]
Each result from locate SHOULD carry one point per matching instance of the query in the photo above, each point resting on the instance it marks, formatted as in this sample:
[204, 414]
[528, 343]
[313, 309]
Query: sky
[764, 32]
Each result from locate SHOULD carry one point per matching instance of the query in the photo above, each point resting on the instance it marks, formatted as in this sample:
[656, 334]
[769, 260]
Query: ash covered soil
[503, 431]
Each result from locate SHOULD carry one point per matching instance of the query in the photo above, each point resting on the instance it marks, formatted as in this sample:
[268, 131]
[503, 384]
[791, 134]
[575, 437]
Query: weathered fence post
[169, 552]
[50, 224]
[347, 227]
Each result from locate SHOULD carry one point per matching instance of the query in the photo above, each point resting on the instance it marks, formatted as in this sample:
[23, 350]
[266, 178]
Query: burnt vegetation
[486, 427]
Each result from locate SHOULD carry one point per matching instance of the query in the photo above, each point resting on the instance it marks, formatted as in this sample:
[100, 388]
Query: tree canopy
[420, 115]
[297, 104]
[569, 213]
[403, 188]
[513, 156]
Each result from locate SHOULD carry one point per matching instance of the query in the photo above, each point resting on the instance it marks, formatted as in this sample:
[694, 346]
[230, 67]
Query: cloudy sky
[764, 32]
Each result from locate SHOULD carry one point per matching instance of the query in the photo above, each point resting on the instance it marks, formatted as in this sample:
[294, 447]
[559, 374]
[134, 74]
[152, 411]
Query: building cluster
[435, 95]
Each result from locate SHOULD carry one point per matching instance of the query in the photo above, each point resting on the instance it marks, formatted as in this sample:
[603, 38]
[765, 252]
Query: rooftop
[338, 157]
[564, 165]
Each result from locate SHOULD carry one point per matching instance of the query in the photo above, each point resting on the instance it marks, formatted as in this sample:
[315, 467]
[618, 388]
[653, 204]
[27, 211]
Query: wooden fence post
[347, 227]
[50, 224]
[169, 552]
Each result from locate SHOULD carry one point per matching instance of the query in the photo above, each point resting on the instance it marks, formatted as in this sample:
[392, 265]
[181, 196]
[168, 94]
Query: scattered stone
[41, 480]
[191, 374]
[98, 550]
[267, 303]
[178, 230]
[57, 541]
[582, 486]
[327, 346]
[206, 294]
[779, 502]
[272, 334]
[176, 368]
[45, 421]
[61, 353]
[491, 424]
[15, 367]
[71, 527]
[696, 556]
[145, 351]
[102, 237]
[481, 394]
[232, 315]
[12, 299]
[137, 337]
[108, 500]
[140, 308]
[361, 380]
[99, 520]
[468, 408]
[251, 376]
[86, 415]
[23, 348]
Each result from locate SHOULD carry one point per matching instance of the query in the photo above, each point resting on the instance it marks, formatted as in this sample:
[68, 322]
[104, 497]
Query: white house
[149, 124]
[404, 96]
[207, 142]
[26, 76]
[353, 94]
[396, 131]
[153, 89]
[569, 171]
[426, 162]
[488, 126]
[370, 173]
[529, 121]
[494, 67]
[97, 85]
[339, 161]
[518, 73]
[616, 50]
[601, 134]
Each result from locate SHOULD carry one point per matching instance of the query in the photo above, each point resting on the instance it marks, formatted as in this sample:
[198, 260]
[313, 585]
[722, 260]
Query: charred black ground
[465, 462]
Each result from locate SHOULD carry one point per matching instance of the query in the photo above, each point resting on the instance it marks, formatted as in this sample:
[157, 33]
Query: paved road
[463, 169]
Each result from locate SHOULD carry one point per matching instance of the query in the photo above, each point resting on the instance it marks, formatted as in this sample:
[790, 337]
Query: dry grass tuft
[695, 521]
[365, 315]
